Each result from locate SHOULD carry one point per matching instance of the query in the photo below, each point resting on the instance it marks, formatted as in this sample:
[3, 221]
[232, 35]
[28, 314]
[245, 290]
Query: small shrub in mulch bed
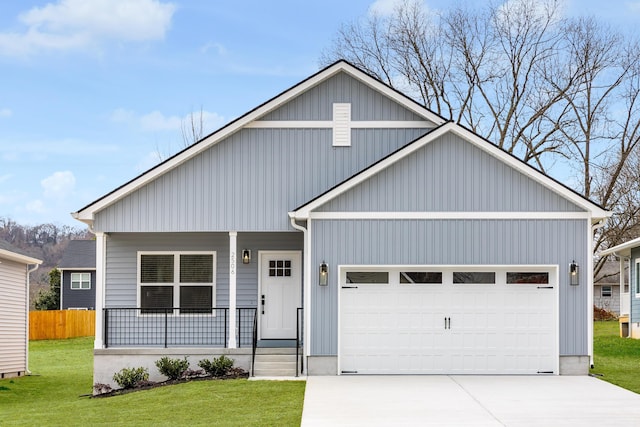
[104, 390]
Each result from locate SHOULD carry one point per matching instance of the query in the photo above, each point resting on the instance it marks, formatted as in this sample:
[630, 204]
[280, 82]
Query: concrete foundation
[322, 365]
[574, 365]
[107, 362]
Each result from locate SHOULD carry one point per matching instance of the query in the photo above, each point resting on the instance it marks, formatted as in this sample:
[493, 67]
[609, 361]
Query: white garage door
[461, 320]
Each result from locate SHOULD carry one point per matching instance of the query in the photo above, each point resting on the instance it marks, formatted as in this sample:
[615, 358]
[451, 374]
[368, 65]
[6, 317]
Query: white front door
[279, 293]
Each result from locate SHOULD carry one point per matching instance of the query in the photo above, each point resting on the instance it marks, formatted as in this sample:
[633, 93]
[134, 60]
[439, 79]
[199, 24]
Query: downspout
[594, 227]
[29, 271]
[306, 286]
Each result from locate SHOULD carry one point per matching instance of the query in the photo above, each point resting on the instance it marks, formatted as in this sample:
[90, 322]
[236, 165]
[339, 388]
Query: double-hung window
[177, 280]
[80, 280]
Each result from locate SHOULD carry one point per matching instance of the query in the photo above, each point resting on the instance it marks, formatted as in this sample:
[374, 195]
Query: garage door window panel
[474, 278]
[519, 278]
[368, 277]
[421, 277]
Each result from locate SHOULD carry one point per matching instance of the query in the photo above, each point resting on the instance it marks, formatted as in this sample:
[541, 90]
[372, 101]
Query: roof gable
[596, 211]
[86, 214]
[10, 252]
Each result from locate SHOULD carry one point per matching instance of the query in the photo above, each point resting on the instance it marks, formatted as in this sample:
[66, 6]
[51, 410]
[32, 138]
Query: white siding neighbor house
[14, 310]
[344, 224]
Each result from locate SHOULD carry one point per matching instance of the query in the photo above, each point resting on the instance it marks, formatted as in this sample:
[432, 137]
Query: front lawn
[616, 359]
[62, 373]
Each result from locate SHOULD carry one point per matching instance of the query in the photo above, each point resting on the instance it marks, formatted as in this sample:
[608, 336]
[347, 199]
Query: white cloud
[217, 47]
[59, 185]
[383, 7]
[35, 206]
[148, 161]
[633, 6]
[157, 121]
[5, 112]
[77, 24]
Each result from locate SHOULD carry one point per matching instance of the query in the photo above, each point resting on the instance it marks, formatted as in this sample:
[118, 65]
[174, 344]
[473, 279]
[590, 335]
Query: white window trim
[176, 283]
[80, 281]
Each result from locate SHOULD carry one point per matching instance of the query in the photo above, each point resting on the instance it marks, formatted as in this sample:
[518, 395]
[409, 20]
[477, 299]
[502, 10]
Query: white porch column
[233, 235]
[101, 240]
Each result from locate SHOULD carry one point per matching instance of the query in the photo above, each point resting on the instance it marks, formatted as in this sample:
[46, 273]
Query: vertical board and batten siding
[122, 249]
[366, 103]
[449, 242]
[78, 298]
[13, 317]
[250, 181]
[450, 175]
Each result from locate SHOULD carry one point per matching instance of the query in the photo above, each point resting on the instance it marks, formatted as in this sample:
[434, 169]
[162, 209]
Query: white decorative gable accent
[342, 125]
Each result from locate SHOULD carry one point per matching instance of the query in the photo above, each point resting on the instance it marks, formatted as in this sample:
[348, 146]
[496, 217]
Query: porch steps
[275, 362]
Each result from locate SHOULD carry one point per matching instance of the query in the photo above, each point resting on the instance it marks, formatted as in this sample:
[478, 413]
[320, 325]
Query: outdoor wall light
[574, 274]
[246, 256]
[324, 274]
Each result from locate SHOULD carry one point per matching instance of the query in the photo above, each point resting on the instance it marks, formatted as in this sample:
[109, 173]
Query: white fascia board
[448, 215]
[327, 124]
[12, 256]
[86, 215]
[623, 249]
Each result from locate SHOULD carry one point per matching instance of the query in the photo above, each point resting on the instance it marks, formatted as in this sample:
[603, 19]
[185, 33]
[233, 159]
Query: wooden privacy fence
[60, 324]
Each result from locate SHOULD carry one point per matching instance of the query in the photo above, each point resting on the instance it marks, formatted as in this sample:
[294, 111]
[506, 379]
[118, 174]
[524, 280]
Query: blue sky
[92, 90]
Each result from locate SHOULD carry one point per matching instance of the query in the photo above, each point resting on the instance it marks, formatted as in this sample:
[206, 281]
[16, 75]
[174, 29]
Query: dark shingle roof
[79, 254]
[9, 247]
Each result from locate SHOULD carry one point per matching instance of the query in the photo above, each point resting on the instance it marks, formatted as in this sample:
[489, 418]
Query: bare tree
[558, 93]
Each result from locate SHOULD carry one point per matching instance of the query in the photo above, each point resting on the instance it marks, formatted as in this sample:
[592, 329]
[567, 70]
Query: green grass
[616, 359]
[63, 373]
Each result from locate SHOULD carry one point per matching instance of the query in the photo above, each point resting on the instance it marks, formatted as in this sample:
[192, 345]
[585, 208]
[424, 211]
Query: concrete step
[275, 362]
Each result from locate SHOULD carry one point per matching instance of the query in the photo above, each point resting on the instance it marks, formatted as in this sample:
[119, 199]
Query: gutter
[29, 271]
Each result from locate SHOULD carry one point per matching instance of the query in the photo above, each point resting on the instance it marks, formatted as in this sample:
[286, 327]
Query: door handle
[447, 322]
[262, 302]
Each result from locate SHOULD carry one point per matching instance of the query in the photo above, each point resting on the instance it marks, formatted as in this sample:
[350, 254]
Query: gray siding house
[343, 216]
[78, 276]
[628, 255]
[14, 310]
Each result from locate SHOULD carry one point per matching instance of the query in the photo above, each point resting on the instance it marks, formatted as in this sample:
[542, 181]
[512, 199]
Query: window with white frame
[80, 280]
[183, 280]
[606, 291]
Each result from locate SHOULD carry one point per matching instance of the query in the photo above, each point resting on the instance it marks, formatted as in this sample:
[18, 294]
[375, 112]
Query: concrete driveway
[467, 401]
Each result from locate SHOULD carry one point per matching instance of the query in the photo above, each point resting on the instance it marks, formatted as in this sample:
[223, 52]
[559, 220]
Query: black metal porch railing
[174, 327]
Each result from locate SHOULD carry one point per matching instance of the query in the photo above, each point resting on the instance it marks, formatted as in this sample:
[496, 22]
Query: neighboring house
[78, 276]
[14, 310]
[607, 293]
[390, 240]
[628, 255]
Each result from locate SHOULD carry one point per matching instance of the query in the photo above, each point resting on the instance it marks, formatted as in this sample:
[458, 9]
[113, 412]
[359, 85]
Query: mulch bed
[234, 373]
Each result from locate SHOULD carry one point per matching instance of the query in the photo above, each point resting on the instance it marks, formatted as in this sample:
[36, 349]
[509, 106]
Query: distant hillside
[44, 241]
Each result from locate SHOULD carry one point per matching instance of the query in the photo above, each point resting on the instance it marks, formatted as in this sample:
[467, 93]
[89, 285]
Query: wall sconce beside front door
[323, 278]
[574, 274]
[246, 256]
